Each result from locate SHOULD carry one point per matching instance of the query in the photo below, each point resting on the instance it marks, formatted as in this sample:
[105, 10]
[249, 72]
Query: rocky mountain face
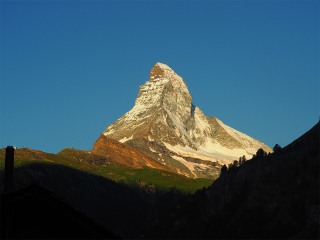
[165, 125]
[124, 154]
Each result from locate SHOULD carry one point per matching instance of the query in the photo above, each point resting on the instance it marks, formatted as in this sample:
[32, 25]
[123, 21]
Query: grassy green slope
[97, 165]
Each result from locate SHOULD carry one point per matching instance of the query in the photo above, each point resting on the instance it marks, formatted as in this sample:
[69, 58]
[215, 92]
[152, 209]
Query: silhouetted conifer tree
[235, 163]
[242, 160]
[224, 169]
[277, 148]
[260, 153]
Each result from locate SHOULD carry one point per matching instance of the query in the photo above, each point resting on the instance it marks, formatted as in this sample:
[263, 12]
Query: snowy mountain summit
[165, 125]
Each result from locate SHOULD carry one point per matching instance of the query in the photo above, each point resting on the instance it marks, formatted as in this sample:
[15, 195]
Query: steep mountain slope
[166, 126]
[124, 154]
[276, 196]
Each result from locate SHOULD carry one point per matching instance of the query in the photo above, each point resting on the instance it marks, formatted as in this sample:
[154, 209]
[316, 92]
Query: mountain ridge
[165, 115]
[124, 154]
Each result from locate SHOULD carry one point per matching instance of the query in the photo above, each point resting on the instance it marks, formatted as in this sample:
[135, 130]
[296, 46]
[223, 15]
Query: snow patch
[190, 165]
[213, 152]
[109, 131]
[182, 173]
[152, 150]
[122, 140]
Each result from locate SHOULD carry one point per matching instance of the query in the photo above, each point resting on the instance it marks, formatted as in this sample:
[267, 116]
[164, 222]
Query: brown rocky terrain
[124, 154]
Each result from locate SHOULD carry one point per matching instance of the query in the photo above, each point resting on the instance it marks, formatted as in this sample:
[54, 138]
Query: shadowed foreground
[122, 210]
[274, 196]
[33, 212]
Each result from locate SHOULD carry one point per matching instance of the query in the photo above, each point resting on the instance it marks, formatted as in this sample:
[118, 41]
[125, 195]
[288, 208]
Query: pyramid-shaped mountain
[165, 125]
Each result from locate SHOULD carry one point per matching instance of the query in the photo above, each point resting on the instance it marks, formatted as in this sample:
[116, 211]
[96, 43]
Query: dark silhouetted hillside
[127, 211]
[33, 212]
[276, 196]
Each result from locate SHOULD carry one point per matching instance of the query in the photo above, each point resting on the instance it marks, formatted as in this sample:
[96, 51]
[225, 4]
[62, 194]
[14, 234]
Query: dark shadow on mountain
[273, 197]
[125, 211]
[33, 212]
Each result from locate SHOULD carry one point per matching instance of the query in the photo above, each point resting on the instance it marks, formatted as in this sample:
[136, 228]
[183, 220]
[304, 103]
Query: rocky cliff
[165, 125]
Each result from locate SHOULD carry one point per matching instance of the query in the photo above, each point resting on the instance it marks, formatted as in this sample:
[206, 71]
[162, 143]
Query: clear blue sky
[70, 68]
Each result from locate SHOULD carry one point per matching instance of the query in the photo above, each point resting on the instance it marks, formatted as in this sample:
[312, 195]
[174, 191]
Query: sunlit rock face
[166, 125]
[124, 154]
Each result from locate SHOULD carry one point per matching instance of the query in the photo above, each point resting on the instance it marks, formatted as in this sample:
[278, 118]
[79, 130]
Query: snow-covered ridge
[250, 143]
[165, 115]
[213, 152]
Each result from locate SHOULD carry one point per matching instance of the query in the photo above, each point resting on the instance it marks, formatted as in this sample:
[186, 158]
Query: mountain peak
[160, 70]
[165, 124]
[163, 66]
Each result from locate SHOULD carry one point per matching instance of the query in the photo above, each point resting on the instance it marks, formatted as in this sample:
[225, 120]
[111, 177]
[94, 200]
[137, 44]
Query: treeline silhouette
[259, 155]
[272, 196]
